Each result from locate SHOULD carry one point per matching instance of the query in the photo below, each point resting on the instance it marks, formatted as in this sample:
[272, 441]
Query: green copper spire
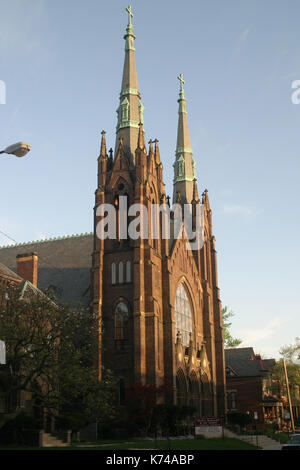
[129, 37]
[130, 111]
[184, 166]
[182, 100]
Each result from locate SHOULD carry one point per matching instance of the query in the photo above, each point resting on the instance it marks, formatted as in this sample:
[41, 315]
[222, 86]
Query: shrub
[12, 431]
[71, 421]
[237, 417]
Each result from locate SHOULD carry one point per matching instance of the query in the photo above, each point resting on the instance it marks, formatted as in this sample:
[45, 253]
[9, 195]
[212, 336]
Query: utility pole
[289, 395]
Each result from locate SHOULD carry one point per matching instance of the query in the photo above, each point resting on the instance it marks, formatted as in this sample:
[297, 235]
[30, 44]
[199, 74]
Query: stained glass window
[183, 315]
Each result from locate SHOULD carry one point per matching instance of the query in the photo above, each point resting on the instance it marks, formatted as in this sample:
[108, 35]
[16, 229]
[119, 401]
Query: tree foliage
[140, 403]
[239, 418]
[229, 340]
[290, 353]
[51, 352]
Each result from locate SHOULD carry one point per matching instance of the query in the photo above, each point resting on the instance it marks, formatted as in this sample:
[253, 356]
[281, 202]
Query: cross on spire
[130, 14]
[180, 78]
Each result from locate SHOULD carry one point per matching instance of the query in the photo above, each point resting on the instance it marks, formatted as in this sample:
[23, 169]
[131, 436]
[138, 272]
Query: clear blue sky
[62, 63]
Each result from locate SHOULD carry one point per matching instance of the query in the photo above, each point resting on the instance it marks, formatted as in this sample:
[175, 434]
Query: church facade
[158, 303]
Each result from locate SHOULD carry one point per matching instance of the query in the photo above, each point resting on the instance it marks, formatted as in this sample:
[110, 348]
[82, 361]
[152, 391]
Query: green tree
[239, 418]
[291, 355]
[229, 341]
[291, 352]
[51, 356]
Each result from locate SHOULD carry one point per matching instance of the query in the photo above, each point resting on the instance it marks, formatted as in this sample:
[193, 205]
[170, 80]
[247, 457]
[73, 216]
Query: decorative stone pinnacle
[150, 147]
[179, 340]
[103, 144]
[141, 139]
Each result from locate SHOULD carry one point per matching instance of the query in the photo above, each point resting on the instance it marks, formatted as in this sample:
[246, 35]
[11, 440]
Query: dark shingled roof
[64, 265]
[5, 271]
[245, 363]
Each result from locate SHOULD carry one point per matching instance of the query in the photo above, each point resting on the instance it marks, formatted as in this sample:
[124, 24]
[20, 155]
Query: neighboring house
[25, 281]
[251, 388]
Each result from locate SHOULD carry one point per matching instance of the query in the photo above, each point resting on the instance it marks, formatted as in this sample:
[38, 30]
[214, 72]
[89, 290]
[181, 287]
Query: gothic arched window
[128, 271]
[121, 316]
[113, 273]
[180, 167]
[121, 272]
[183, 315]
[124, 110]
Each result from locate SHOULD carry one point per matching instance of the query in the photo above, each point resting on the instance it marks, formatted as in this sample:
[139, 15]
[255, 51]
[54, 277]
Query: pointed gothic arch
[194, 392]
[121, 314]
[181, 388]
[206, 395]
[113, 273]
[184, 311]
[121, 272]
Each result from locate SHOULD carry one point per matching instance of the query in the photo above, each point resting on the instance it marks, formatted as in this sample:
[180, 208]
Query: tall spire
[184, 166]
[130, 111]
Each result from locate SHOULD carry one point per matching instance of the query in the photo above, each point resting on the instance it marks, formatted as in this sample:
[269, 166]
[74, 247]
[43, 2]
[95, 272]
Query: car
[293, 443]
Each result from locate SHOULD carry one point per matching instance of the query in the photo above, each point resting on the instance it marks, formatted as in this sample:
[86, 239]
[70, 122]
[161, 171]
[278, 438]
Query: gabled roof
[8, 273]
[230, 372]
[246, 364]
[24, 287]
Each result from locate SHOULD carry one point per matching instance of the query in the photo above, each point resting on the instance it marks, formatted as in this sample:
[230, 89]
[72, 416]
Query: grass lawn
[132, 444]
[282, 436]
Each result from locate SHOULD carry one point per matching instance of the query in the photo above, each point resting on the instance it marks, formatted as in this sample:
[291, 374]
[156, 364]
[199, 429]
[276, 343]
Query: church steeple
[130, 111]
[184, 166]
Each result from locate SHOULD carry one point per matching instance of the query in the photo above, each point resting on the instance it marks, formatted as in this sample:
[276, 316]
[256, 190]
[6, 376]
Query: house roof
[6, 272]
[24, 287]
[64, 265]
[246, 364]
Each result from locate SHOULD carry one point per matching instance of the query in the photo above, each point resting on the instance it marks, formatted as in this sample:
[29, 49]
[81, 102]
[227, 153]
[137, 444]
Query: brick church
[158, 302]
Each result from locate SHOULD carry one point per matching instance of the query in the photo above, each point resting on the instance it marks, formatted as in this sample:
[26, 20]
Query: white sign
[2, 352]
[209, 431]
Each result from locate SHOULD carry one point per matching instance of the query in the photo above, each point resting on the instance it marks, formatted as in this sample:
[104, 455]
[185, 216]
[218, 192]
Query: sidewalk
[263, 442]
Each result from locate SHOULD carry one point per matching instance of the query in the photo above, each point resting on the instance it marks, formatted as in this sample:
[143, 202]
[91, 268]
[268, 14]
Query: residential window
[233, 400]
